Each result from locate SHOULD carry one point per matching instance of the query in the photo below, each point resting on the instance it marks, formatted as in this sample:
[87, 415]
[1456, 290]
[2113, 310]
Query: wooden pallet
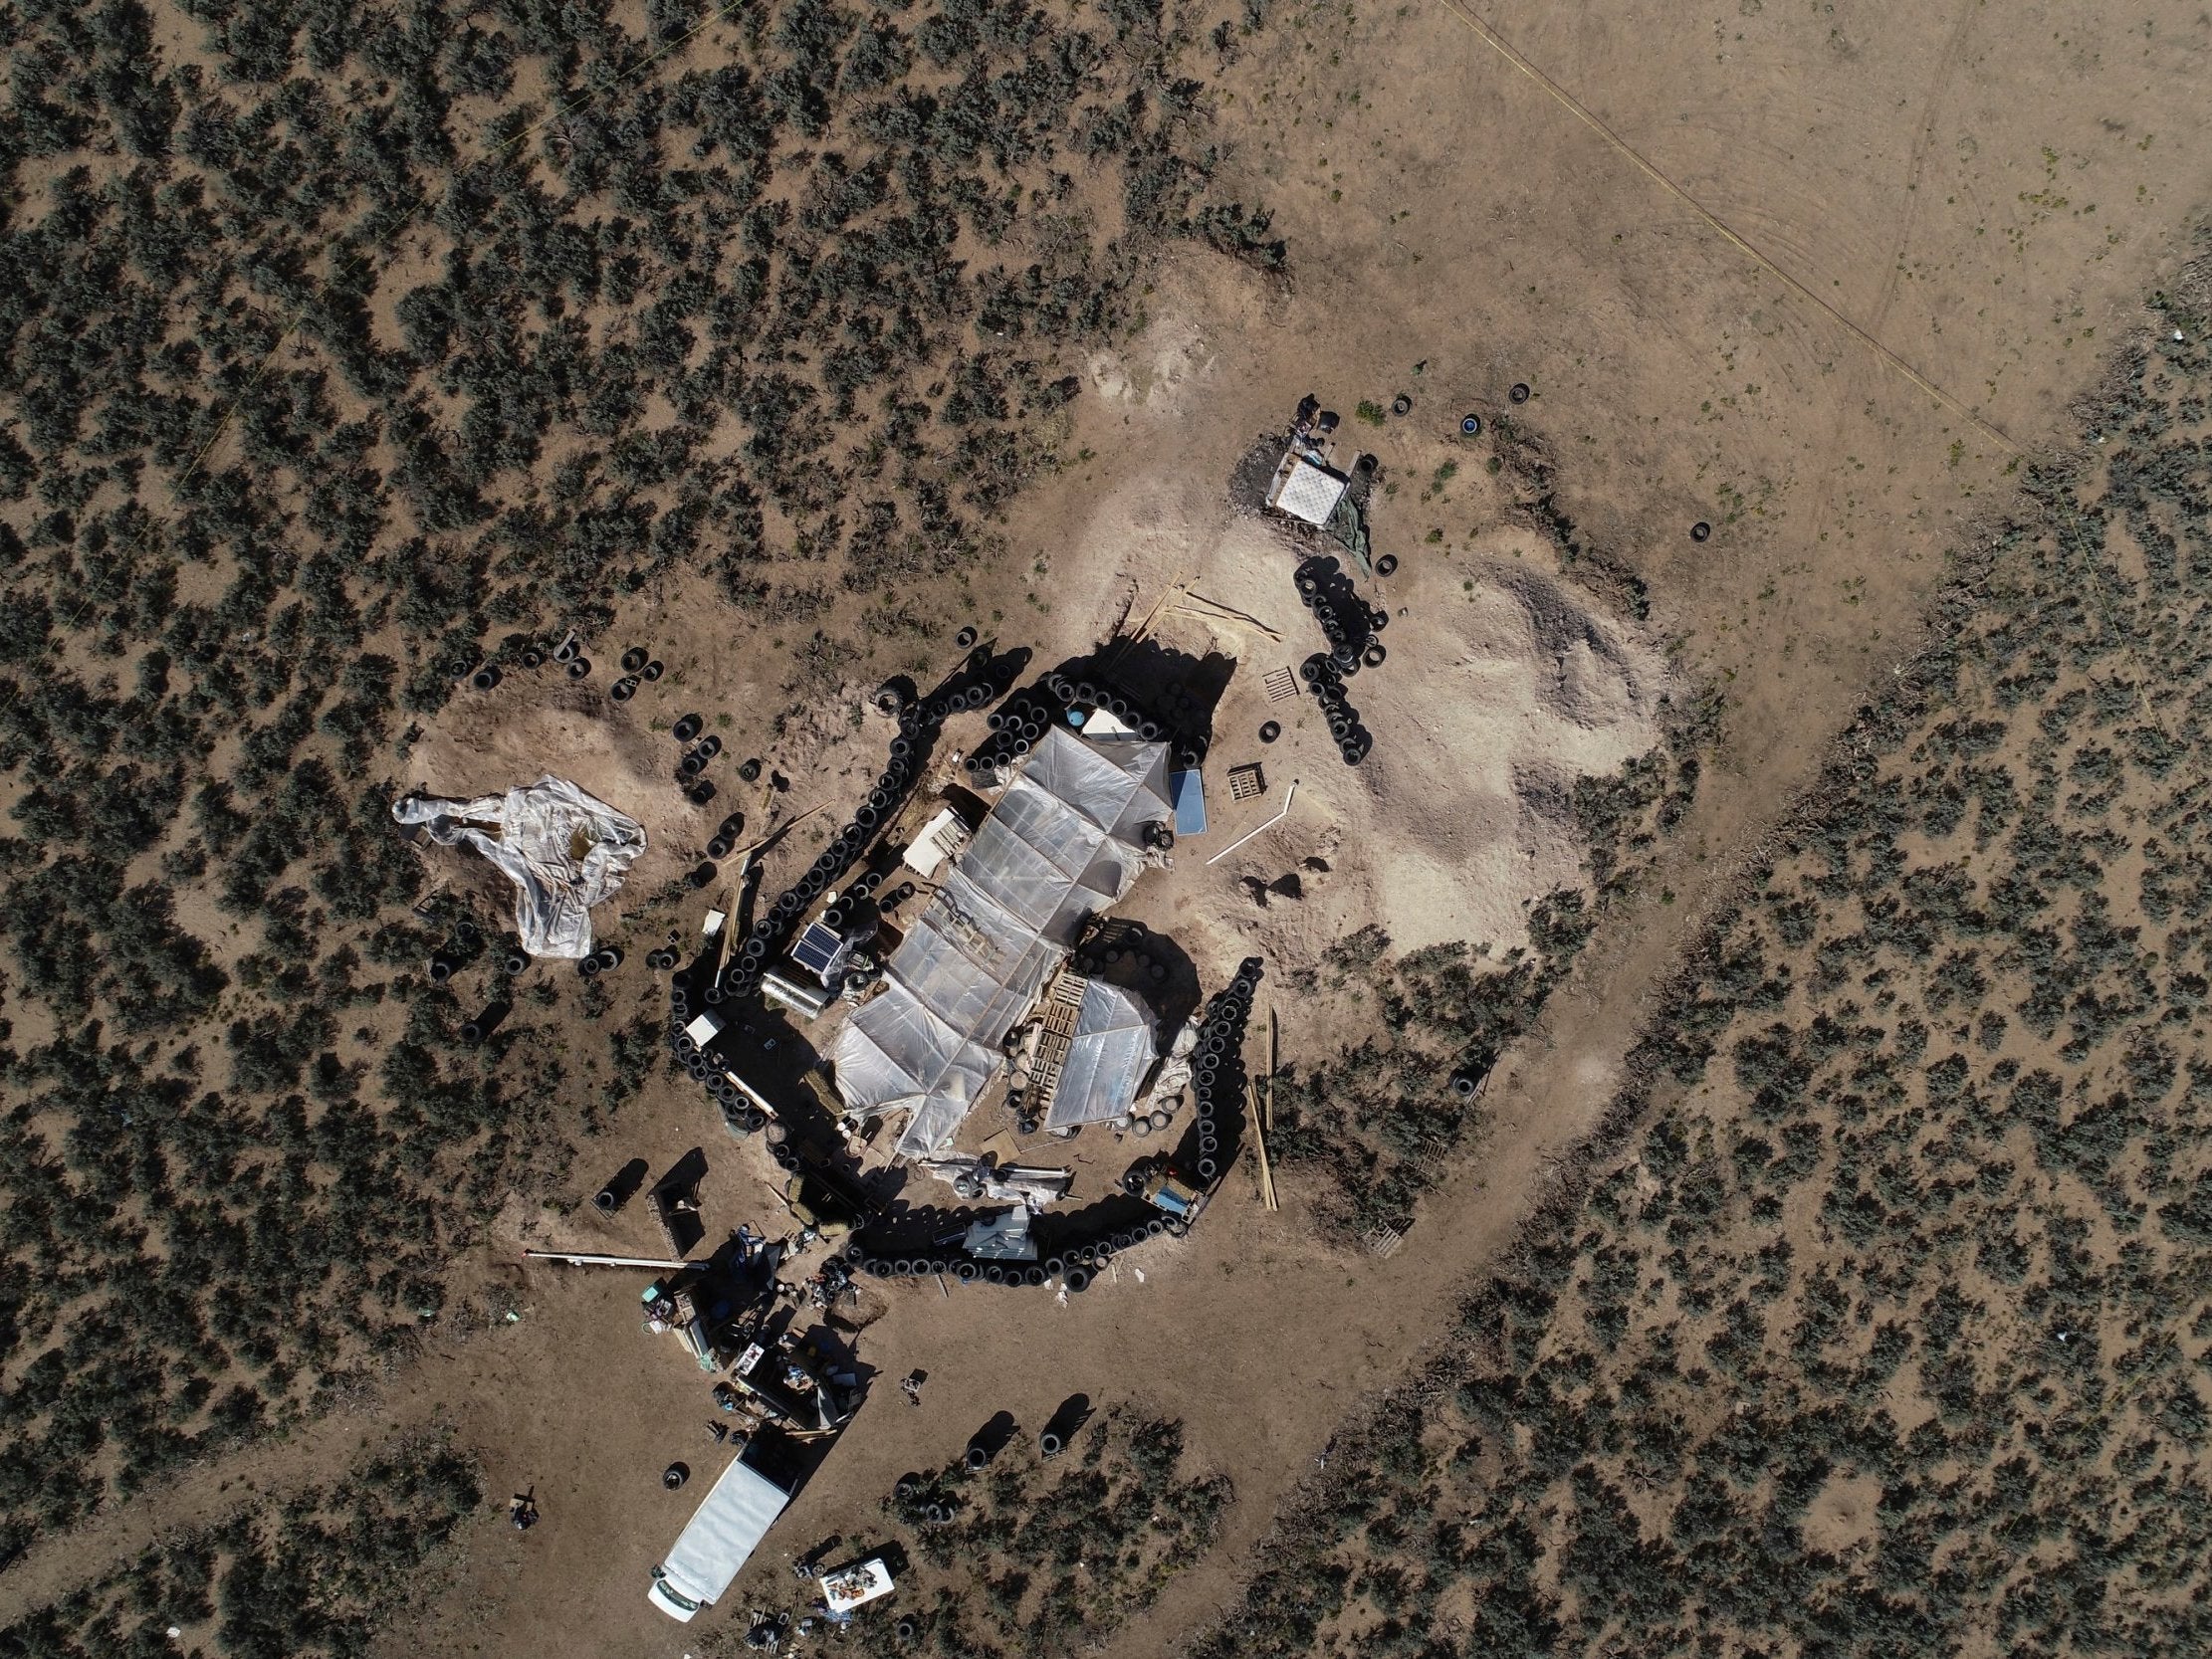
[1246, 782]
[1062, 1004]
[1281, 684]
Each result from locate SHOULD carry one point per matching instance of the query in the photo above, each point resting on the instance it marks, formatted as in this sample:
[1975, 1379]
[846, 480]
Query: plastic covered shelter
[1063, 842]
[1112, 1049]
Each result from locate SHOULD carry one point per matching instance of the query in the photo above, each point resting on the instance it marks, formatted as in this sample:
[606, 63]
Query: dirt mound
[1502, 685]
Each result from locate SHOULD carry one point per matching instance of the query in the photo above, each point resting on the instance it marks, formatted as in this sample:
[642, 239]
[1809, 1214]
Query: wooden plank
[1259, 1141]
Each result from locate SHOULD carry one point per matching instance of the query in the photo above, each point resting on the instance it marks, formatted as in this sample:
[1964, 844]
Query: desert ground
[1962, 199]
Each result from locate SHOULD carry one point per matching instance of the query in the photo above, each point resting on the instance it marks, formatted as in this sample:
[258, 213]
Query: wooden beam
[1259, 1141]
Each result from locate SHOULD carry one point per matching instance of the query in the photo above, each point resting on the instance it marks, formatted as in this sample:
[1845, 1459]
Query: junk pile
[978, 1178]
[565, 851]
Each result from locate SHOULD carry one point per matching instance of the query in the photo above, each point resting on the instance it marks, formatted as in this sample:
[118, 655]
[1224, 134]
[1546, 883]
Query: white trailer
[717, 1540]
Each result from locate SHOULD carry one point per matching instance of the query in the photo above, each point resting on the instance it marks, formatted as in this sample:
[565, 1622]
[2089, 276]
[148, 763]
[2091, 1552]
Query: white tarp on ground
[564, 850]
[1107, 1059]
[1064, 841]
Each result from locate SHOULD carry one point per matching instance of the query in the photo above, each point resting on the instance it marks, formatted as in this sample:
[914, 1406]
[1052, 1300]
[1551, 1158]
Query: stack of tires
[1218, 1072]
[1016, 726]
[1327, 686]
[1345, 620]
[1152, 727]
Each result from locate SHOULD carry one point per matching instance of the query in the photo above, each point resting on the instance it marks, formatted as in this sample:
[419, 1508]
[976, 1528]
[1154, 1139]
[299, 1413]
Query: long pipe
[751, 1094]
[1270, 824]
[585, 1258]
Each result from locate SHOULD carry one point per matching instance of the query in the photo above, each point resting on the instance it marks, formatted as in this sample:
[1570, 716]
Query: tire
[1520, 392]
[965, 637]
[1054, 1267]
[976, 1459]
[1269, 732]
[966, 1272]
[484, 679]
[632, 660]
[994, 1274]
[651, 672]
[516, 963]
[579, 668]
[440, 970]
[876, 1268]
[1207, 1170]
[700, 793]
[686, 728]
[622, 690]
[534, 658]
[1208, 1144]
[1374, 654]
[1051, 1444]
[1077, 1280]
[1387, 565]
[1463, 1086]
[1700, 530]
[1155, 1227]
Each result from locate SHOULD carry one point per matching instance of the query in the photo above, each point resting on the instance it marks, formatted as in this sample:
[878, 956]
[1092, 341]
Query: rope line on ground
[1582, 113]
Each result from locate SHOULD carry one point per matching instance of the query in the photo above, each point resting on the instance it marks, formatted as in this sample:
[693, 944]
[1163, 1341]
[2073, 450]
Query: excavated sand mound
[1503, 687]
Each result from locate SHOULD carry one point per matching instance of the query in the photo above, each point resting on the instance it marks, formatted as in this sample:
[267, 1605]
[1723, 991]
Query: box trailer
[719, 1538]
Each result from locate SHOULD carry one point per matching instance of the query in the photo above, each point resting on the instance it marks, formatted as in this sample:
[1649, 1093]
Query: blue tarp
[1188, 791]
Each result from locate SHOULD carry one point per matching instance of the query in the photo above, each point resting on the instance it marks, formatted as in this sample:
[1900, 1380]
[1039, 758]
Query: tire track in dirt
[1562, 1080]
[1946, 65]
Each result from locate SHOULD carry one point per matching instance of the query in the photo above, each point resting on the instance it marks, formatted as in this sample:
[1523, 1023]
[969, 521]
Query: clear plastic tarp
[1112, 1049]
[1066, 839]
[564, 850]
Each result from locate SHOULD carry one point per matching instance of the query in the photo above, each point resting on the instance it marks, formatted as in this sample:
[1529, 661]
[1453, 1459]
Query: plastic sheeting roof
[1063, 842]
[1112, 1049]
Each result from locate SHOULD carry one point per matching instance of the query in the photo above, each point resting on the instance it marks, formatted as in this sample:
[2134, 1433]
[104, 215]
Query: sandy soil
[1931, 174]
